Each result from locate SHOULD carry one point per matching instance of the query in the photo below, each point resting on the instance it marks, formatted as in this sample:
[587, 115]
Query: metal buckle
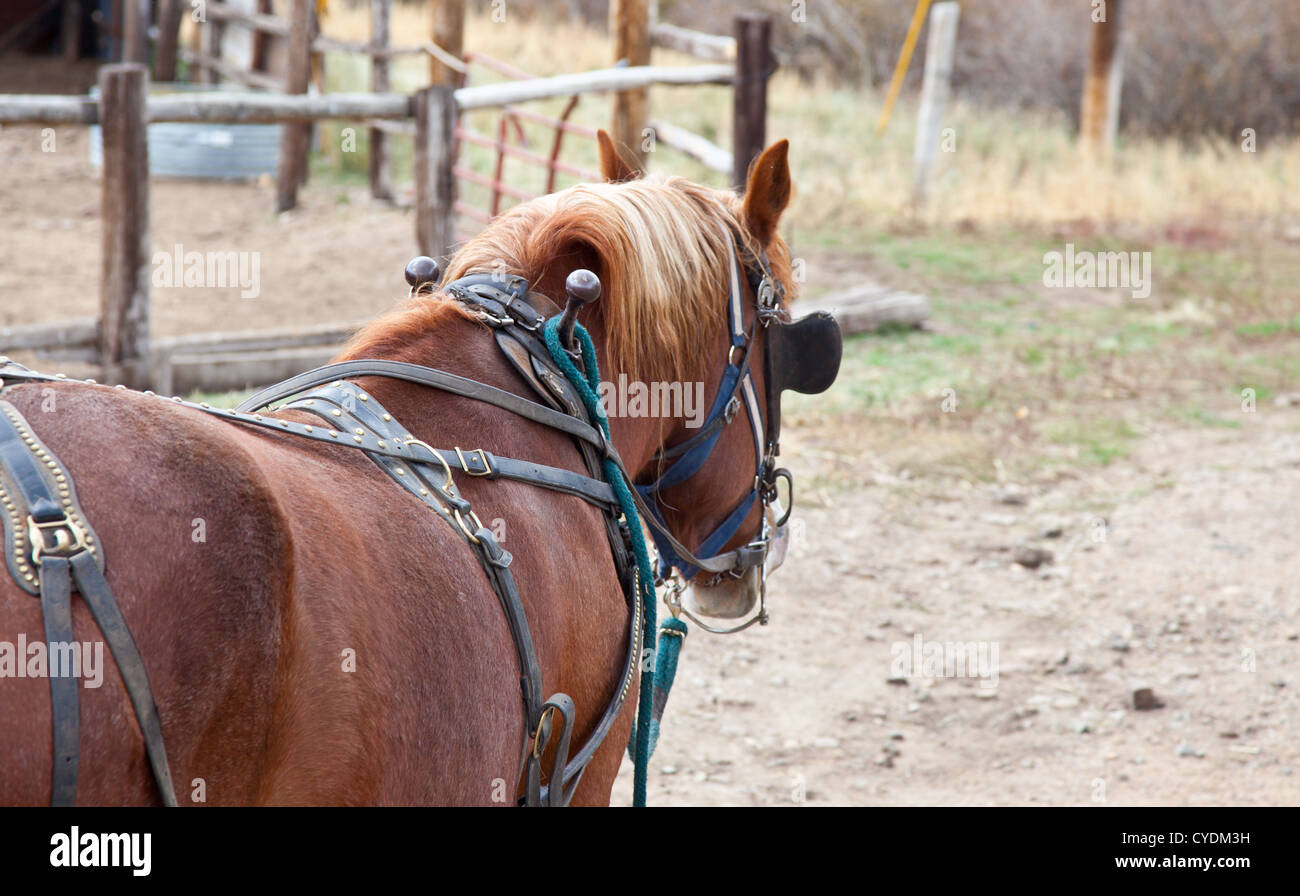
[482, 457]
[464, 527]
[732, 408]
[447, 486]
[68, 538]
[540, 742]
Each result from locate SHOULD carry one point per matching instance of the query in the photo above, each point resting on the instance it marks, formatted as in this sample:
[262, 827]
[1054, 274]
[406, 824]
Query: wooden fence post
[435, 182]
[449, 33]
[169, 24]
[381, 172]
[754, 64]
[1099, 115]
[135, 31]
[70, 30]
[124, 217]
[295, 136]
[629, 23]
[934, 93]
[261, 40]
[210, 33]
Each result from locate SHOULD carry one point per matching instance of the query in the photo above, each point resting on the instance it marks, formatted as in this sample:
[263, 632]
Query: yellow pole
[904, 60]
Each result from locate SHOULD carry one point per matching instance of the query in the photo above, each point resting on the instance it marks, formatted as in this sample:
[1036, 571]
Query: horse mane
[661, 248]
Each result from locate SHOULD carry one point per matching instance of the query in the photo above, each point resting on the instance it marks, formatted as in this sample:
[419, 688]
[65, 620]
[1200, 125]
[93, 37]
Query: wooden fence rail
[119, 341]
[233, 107]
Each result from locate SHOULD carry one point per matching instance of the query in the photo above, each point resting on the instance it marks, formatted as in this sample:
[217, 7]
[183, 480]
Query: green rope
[587, 387]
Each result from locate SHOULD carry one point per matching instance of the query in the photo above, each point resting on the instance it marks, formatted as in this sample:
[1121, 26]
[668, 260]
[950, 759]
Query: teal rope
[587, 387]
[671, 636]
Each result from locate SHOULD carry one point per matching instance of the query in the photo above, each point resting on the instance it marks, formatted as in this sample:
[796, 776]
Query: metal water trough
[202, 150]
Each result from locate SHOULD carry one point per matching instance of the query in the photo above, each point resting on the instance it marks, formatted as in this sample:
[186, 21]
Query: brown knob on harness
[583, 288]
[422, 271]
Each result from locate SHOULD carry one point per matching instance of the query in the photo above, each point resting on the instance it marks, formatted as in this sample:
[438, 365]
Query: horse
[312, 635]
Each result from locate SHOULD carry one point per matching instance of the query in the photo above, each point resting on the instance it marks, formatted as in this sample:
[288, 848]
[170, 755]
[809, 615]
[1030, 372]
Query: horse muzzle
[736, 596]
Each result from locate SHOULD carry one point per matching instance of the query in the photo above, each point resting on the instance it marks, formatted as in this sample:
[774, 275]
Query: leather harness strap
[428, 376]
[60, 546]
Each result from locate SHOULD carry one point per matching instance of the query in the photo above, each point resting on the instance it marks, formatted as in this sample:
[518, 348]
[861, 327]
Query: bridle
[686, 459]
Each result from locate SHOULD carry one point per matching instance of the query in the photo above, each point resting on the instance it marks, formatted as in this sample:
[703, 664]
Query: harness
[50, 547]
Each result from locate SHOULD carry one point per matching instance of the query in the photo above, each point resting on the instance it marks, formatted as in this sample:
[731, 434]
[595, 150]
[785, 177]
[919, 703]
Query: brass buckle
[538, 744]
[446, 487]
[464, 526]
[68, 538]
[482, 457]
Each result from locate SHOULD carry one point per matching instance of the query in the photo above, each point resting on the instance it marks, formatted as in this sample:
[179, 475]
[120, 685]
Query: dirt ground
[1172, 569]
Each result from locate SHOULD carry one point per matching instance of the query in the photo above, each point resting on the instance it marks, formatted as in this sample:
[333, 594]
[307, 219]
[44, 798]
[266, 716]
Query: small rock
[1115, 642]
[777, 681]
[1054, 531]
[895, 735]
[1187, 750]
[825, 743]
[669, 770]
[1230, 735]
[896, 680]
[1145, 698]
[1065, 702]
[1032, 557]
[1013, 498]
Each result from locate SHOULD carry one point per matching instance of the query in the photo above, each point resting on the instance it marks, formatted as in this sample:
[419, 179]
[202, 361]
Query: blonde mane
[661, 244]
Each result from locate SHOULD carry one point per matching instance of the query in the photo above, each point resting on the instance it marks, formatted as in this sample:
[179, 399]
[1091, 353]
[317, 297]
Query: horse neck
[456, 344]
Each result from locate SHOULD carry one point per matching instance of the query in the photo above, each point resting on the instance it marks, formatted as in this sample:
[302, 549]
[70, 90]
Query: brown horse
[315, 636]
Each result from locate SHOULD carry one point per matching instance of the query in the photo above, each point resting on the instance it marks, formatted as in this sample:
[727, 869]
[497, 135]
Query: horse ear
[612, 166]
[767, 192]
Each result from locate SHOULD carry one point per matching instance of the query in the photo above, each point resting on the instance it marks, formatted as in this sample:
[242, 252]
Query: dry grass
[1008, 168]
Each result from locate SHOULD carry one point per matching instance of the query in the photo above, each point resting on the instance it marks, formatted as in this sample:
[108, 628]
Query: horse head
[696, 344]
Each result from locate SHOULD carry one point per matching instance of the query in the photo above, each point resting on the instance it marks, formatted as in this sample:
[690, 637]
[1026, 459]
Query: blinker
[804, 355]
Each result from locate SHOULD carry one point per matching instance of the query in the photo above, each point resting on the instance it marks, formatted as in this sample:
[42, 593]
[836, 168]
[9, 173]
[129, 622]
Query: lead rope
[656, 684]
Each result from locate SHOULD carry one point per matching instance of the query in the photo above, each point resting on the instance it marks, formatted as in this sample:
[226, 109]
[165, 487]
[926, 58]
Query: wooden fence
[119, 342]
